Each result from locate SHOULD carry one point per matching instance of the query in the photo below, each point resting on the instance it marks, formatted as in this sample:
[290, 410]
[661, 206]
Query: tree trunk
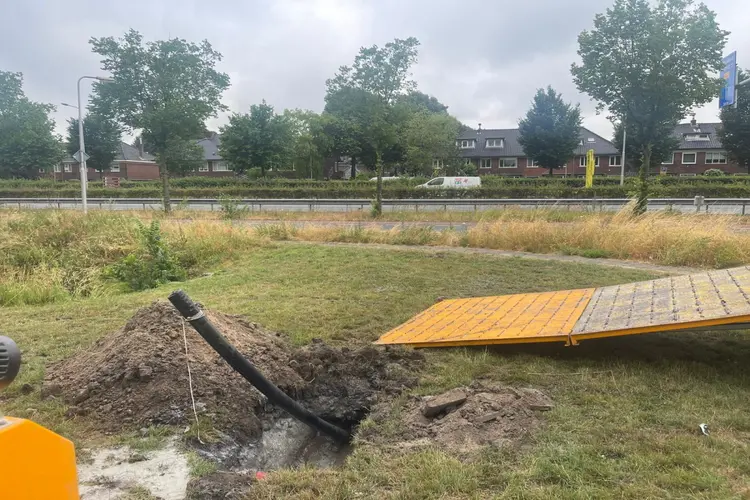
[641, 202]
[377, 208]
[164, 174]
[353, 175]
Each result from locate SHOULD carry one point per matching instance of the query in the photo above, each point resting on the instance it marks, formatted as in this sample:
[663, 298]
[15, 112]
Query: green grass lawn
[625, 422]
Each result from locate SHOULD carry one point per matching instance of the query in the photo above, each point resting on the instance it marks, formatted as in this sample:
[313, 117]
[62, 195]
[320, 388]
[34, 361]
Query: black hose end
[184, 304]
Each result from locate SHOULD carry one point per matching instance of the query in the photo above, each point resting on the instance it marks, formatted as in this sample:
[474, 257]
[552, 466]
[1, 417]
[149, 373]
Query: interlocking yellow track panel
[507, 319]
[691, 302]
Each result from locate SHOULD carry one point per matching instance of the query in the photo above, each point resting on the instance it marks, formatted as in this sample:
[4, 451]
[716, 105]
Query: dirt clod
[490, 415]
[444, 402]
[137, 376]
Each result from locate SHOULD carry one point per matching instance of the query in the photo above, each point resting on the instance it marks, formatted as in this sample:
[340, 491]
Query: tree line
[647, 64]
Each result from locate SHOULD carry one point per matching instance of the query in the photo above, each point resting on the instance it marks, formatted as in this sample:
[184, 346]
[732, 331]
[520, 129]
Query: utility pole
[622, 157]
[81, 142]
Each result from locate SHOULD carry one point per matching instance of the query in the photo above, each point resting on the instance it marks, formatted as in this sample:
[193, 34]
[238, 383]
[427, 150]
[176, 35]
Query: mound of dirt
[137, 376]
[462, 420]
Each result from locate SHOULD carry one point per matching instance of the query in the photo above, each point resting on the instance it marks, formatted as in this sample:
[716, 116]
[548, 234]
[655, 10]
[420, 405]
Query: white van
[452, 183]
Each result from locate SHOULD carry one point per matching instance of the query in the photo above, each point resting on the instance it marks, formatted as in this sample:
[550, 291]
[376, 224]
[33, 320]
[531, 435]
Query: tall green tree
[431, 137]
[181, 157]
[421, 101]
[649, 64]
[305, 151]
[259, 139]
[378, 77]
[662, 146]
[551, 130]
[102, 137]
[166, 89]
[735, 126]
[27, 140]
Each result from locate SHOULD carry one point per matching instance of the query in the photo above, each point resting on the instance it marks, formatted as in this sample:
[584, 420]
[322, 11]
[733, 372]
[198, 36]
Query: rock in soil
[444, 402]
[137, 376]
[490, 415]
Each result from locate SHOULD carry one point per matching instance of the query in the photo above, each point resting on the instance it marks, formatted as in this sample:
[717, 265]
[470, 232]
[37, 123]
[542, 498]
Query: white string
[190, 382]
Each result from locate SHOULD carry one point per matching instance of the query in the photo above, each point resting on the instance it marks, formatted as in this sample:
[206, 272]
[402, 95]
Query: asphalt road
[321, 206]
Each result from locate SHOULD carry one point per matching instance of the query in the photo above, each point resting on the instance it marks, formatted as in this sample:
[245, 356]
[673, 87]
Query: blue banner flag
[729, 75]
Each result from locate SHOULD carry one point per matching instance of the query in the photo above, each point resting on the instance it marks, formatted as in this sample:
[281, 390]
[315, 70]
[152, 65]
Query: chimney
[140, 148]
[693, 122]
[479, 129]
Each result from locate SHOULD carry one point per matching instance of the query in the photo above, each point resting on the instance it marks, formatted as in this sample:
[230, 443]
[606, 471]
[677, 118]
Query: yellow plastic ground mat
[690, 302]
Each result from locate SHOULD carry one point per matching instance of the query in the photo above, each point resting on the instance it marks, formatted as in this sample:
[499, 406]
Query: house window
[716, 157]
[582, 161]
[669, 161]
[68, 167]
[697, 137]
[203, 168]
[57, 168]
[494, 143]
[591, 139]
[221, 166]
[508, 163]
[687, 175]
[615, 161]
[532, 163]
[437, 164]
[485, 163]
[689, 158]
[114, 168]
[466, 144]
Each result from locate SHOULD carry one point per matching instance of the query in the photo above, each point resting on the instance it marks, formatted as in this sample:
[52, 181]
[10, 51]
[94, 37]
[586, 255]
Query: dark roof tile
[512, 148]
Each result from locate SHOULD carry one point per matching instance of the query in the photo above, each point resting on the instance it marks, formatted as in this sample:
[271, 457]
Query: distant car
[452, 183]
[375, 179]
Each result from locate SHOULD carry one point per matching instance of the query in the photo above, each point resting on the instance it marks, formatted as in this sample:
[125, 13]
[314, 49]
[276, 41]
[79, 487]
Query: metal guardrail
[361, 204]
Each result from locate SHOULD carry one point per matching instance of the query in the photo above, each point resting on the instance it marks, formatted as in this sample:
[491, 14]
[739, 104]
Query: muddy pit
[137, 377]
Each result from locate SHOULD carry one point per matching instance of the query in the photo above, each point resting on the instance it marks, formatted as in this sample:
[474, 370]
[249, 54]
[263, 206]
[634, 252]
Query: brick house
[498, 152]
[214, 166]
[130, 163]
[700, 149]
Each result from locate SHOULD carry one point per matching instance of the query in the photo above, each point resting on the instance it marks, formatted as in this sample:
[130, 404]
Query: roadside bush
[151, 265]
[230, 208]
[713, 172]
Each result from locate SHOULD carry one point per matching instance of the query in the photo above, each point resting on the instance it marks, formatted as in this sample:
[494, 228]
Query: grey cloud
[483, 59]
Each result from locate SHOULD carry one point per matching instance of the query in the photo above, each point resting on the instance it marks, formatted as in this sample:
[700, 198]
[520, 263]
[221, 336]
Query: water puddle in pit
[285, 443]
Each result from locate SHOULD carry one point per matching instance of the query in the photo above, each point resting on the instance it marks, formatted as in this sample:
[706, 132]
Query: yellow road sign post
[590, 165]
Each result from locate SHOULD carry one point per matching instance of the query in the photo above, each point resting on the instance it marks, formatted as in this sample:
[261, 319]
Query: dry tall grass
[709, 241]
[46, 256]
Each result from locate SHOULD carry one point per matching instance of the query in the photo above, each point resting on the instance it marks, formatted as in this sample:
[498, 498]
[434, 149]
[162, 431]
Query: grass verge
[626, 410]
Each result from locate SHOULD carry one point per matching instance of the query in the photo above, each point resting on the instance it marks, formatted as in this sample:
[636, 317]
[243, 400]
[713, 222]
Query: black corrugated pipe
[193, 314]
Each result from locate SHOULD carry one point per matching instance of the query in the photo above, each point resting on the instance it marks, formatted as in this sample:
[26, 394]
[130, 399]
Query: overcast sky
[484, 59]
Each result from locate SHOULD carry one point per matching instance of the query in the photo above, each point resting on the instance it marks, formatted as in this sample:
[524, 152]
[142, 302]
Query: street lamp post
[81, 144]
[622, 156]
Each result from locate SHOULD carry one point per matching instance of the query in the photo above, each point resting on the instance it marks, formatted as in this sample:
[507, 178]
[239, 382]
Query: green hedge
[558, 190]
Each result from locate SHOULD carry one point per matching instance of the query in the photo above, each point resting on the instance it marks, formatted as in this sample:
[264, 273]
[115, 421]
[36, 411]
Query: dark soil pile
[489, 415]
[137, 376]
